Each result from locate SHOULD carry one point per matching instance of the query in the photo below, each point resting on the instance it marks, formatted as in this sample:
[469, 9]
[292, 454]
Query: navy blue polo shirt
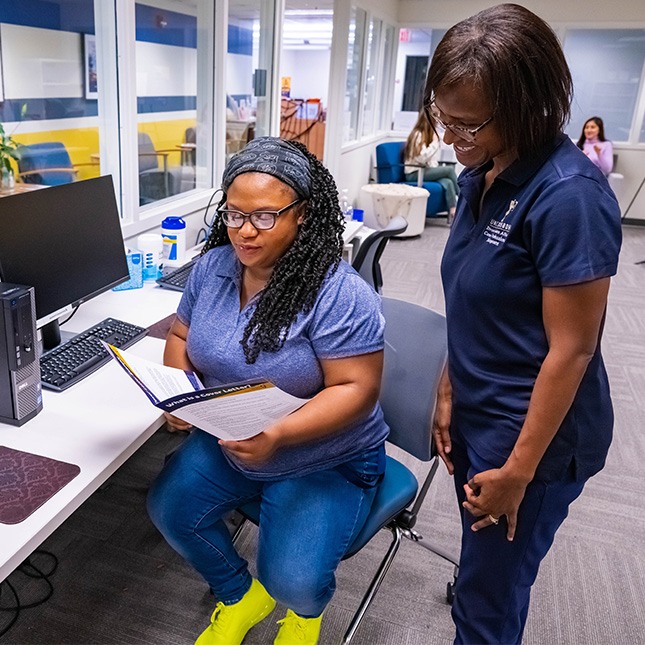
[546, 221]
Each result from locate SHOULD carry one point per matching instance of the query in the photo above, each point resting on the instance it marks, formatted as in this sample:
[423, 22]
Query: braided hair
[299, 274]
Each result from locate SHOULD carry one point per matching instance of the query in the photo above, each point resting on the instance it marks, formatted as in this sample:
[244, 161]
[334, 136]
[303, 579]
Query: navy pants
[495, 576]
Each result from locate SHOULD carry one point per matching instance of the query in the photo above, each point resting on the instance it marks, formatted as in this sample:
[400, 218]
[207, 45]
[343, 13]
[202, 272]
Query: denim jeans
[306, 523]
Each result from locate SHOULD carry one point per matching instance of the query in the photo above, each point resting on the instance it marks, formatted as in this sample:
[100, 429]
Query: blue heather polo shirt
[546, 221]
[346, 320]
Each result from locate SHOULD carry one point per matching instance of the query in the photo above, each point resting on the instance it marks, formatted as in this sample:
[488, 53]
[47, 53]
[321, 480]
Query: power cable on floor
[29, 569]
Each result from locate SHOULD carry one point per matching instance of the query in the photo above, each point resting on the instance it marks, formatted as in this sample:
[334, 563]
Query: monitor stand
[52, 335]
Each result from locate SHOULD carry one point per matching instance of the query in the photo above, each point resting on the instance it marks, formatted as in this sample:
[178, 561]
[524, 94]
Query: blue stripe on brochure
[194, 380]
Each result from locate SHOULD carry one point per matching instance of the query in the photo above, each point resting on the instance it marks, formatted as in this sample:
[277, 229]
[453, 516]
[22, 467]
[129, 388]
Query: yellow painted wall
[167, 136]
[83, 144]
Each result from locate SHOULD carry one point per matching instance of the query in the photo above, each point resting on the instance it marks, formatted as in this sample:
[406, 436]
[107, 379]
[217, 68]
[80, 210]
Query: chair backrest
[147, 154]
[389, 162]
[415, 356]
[41, 156]
[367, 259]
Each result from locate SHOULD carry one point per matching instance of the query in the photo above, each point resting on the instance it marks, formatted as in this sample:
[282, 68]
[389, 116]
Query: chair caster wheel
[450, 592]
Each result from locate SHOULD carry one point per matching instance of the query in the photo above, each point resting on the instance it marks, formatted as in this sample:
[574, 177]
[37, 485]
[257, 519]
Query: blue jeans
[444, 175]
[306, 523]
[495, 576]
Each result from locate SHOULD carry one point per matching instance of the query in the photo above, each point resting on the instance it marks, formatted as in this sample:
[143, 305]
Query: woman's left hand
[491, 494]
[255, 450]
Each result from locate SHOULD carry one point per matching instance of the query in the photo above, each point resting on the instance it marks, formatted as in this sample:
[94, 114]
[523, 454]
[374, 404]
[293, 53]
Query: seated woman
[593, 143]
[422, 151]
[271, 297]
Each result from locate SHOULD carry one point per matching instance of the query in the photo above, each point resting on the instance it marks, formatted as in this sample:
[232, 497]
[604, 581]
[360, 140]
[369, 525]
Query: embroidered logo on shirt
[497, 230]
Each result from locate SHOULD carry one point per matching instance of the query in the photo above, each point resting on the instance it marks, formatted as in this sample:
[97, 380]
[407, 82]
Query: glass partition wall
[48, 92]
[174, 135]
[249, 65]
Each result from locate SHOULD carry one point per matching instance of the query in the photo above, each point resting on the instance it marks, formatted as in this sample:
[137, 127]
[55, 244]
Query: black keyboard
[72, 361]
[178, 278]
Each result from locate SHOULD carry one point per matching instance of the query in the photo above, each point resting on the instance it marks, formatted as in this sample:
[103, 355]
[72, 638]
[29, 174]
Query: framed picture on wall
[89, 48]
[1, 77]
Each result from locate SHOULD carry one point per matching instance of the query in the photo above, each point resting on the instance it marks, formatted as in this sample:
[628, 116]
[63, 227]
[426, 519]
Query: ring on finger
[493, 519]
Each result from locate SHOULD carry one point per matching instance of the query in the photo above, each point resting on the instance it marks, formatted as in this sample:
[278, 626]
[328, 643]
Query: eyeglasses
[261, 220]
[467, 134]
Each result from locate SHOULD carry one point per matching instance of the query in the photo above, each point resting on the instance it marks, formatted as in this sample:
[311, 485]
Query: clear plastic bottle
[346, 205]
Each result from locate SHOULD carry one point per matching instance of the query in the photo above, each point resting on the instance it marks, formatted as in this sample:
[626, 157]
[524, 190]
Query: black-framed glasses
[262, 220]
[466, 134]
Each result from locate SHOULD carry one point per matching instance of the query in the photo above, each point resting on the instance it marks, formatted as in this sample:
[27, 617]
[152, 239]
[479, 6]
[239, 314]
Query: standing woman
[271, 298]
[593, 143]
[422, 151]
[524, 414]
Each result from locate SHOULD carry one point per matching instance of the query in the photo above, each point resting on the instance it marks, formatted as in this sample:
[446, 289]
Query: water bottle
[151, 245]
[346, 205]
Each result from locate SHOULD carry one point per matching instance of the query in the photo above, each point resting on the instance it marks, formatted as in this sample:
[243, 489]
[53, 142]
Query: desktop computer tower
[20, 392]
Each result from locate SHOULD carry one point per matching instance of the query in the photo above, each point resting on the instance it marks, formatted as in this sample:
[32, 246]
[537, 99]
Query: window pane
[606, 65]
[249, 64]
[305, 62]
[49, 93]
[173, 152]
[370, 105]
[354, 69]
[387, 76]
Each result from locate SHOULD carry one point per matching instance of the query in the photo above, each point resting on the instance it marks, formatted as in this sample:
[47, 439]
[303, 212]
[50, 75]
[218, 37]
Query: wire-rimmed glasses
[262, 220]
[466, 134]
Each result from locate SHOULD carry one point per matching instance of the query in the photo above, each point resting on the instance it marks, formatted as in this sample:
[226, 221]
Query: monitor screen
[65, 241]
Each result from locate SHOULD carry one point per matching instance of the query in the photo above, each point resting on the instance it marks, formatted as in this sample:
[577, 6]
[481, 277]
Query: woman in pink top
[593, 143]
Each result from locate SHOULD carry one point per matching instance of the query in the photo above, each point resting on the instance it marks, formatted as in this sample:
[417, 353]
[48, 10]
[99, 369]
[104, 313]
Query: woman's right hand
[175, 424]
[441, 421]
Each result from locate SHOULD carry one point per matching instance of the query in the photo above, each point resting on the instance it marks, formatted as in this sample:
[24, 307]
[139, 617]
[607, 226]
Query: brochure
[231, 412]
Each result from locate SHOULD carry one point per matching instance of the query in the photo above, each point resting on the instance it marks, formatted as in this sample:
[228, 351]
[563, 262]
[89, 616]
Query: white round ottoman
[384, 202]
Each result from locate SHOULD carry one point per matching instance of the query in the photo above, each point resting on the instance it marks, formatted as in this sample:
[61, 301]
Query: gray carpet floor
[119, 583]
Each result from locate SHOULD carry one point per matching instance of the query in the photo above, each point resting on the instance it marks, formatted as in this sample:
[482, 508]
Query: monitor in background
[66, 242]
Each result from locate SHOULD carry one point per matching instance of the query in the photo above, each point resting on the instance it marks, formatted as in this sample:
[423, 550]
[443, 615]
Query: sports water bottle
[346, 205]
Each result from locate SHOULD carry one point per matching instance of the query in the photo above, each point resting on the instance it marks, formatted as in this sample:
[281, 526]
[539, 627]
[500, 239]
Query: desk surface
[20, 188]
[97, 424]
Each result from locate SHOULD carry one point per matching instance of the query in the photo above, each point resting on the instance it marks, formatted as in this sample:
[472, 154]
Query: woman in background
[422, 150]
[593, 143]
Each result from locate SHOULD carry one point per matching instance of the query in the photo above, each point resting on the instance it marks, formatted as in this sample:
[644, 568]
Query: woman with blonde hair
[422, 151]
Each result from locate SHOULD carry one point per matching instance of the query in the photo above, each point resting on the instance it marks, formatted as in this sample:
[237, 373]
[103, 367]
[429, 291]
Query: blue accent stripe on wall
[165, 27]
[39, 109]
[240, 40]
[50, 14]
[151, 104]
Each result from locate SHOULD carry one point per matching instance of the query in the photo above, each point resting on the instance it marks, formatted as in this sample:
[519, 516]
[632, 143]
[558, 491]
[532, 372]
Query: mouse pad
[27, 481]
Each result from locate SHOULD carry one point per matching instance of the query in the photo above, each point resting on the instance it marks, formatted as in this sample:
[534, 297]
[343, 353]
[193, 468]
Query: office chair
[46, 163]
[155, 183]
[390, 170]
[411, 375]
[367, 258]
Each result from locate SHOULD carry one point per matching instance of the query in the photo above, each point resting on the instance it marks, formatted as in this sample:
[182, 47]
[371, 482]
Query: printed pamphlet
[231, 412]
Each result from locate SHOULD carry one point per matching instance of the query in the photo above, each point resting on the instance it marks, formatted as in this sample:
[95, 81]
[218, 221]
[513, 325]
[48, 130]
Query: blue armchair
[390, 170]
[46, 163]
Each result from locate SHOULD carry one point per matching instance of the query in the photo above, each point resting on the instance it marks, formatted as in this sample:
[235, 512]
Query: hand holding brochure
[231, 412]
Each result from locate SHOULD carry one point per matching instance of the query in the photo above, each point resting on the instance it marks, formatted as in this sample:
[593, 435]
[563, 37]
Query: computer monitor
[66, 242]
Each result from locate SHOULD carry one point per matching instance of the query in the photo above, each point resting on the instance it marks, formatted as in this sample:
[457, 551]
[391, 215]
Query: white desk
[97, 424]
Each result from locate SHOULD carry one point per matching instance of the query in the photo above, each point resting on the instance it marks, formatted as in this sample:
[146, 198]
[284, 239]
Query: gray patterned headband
[273, 156]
